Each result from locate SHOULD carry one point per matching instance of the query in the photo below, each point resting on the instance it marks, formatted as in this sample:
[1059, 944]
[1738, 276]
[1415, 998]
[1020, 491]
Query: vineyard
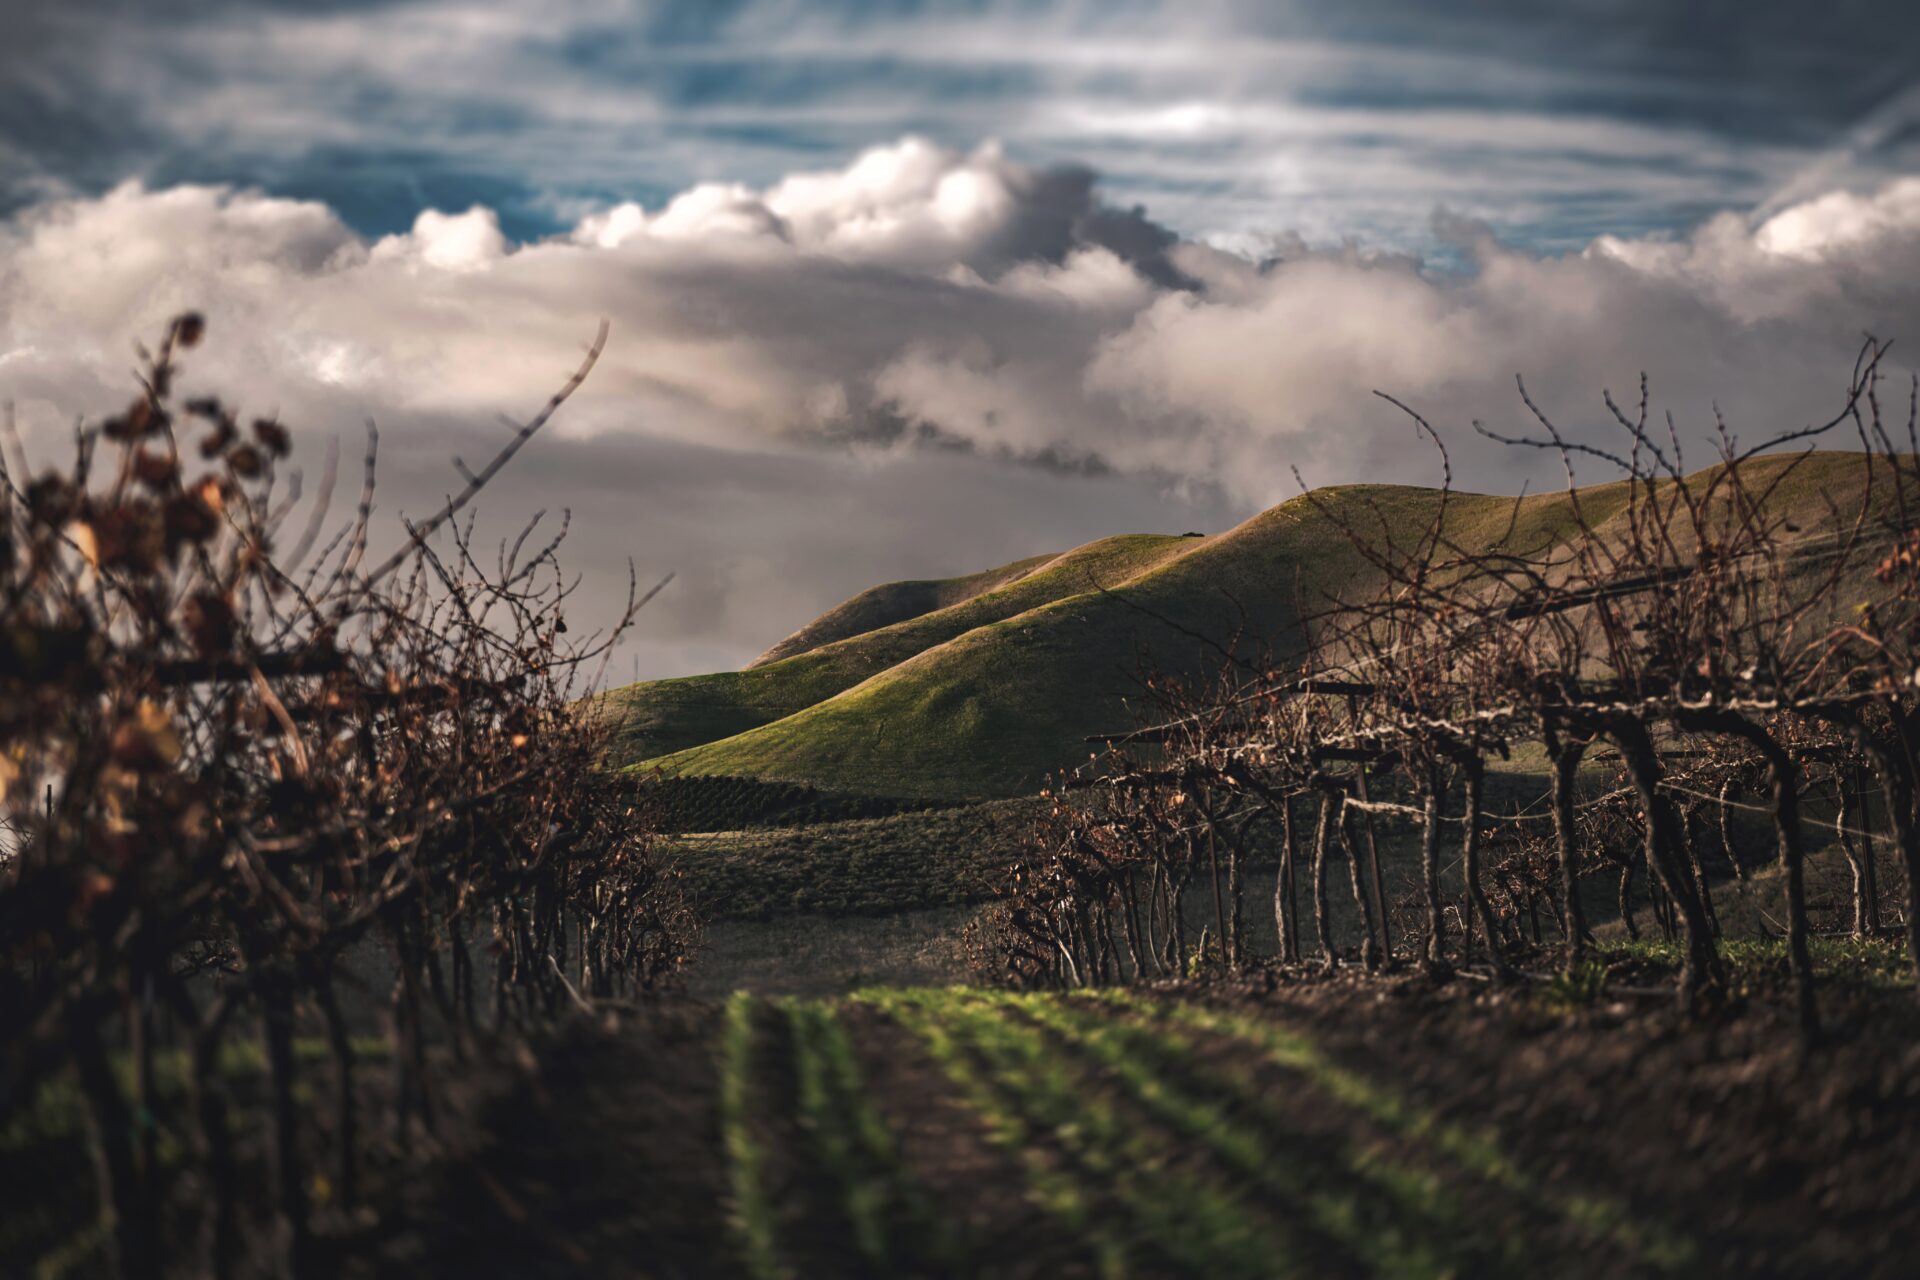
[291, 829]
[868, 866]
[715, 802]
[330, 945]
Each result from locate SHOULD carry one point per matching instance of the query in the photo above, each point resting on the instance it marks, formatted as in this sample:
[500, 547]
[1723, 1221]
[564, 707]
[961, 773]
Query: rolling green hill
[983, 697]
[892, 602]
[658, 717]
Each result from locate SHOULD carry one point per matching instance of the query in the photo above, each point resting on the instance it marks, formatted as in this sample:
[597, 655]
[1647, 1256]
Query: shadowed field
[955, 1131]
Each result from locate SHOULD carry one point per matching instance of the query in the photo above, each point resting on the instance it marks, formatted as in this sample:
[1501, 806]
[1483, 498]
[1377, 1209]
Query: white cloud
[952, 290]
[1094, 280]
[100, 269]
[917, 292]
[470, 241]
[1275, 368]
[1841, 221]
[913, 205]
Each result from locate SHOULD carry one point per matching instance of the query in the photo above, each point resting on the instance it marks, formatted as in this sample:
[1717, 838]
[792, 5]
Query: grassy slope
[990, 710]
[893, 602]
[662, 716]
[872, 866]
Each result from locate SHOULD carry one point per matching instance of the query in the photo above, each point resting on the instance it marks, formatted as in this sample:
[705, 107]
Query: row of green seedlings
[892, 1226]
[1177, 1159]
[1115, 1181]
[1329, 1207]
[1602, 1220]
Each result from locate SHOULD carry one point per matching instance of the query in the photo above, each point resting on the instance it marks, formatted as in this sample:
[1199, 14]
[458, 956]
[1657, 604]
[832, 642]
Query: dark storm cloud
[1061, 213]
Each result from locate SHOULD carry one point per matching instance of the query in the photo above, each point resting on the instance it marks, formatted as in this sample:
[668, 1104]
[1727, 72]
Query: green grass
[823, 1097]
[1601, 1217]
[890, 1217]
[942, 858]
[699, 803]
[1156, 1135]
[656, 718]
[1202, 1226]
[895, 602]
[1058, 1191]
[752, 1210]
[1869, 962]
[984, 698]
[1396, 1220]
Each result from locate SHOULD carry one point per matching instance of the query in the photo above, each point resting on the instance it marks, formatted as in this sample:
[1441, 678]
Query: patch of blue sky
[1337, 120]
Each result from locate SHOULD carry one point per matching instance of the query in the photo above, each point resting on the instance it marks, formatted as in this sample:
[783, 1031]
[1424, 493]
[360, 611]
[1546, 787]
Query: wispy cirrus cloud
[1229, 120]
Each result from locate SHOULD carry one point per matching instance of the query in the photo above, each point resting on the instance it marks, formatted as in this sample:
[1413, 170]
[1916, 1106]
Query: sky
[912, 289]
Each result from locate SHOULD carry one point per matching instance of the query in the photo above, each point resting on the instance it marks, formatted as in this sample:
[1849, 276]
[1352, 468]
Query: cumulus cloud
[1841, 221]
[470, 241]
[913, 206]
[813, 359]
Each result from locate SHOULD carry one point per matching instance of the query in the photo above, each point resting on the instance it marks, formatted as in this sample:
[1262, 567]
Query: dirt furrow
[949, 1150]
[603, 1162]
[1773, 1162]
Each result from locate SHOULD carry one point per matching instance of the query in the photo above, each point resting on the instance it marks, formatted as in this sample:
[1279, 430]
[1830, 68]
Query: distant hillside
[982, 698]
[892, 602]
[662, 716]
